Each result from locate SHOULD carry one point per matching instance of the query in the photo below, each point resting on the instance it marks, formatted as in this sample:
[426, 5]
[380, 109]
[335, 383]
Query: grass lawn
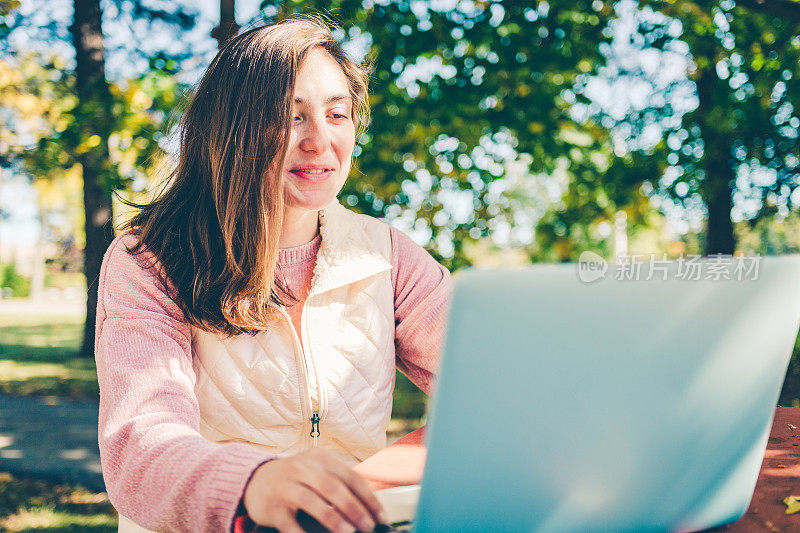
[38, 343]
[30, 504]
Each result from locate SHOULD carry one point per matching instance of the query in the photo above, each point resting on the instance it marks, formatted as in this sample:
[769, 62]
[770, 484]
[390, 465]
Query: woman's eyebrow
[329, 100]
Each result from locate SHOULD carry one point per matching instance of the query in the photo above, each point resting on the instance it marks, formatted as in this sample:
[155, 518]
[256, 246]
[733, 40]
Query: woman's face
[322, 134]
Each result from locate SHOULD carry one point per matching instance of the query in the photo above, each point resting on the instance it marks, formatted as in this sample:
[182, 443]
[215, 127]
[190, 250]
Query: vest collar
[345, 254]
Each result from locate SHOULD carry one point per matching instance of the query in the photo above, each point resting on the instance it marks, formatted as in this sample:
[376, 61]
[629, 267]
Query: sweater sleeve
[158, 470]
[422, 291]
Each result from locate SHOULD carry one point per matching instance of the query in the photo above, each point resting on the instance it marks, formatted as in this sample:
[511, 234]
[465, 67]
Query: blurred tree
[739, 146]
[111, 130]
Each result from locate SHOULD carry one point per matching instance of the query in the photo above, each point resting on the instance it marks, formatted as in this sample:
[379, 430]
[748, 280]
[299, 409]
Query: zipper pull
[315, 427]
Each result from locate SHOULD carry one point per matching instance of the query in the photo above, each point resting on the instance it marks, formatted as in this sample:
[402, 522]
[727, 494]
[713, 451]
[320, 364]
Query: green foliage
[9, 278]
[139, 110]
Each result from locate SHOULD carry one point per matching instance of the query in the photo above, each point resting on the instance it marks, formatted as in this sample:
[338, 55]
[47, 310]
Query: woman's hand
[319, 484]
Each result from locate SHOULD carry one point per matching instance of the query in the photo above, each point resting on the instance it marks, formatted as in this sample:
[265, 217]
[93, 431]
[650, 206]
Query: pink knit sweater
[157, 468]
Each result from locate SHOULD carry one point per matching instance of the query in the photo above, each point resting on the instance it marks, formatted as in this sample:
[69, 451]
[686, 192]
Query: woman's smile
[313, 173]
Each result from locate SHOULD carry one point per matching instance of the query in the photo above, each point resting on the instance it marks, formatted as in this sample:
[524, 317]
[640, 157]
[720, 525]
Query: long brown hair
[215, 229]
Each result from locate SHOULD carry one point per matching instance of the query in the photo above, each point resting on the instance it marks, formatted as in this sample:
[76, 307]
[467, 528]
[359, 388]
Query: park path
[51, 437]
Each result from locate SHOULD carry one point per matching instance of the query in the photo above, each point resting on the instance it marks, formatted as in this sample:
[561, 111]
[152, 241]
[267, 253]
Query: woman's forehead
[320, 80]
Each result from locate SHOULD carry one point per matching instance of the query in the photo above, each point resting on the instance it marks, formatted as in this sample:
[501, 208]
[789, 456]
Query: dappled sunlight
[11, 454]
[74, 455]
[777, 454]
[14, 370]
[62, 379]
[792, 473]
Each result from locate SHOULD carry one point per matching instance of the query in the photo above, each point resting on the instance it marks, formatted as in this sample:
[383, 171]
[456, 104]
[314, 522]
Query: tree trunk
[720, 238]
[717, 186]
[93, 112]
[227, 22]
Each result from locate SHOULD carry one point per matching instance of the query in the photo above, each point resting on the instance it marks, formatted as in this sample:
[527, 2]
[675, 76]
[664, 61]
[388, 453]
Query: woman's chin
[310, 202]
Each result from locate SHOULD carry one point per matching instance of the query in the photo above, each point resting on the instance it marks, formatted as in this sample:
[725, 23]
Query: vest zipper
[322, 396]
[315, 427]
[309, 404]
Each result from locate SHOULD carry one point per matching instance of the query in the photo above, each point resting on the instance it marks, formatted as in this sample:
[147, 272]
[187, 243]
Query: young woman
[248, 325]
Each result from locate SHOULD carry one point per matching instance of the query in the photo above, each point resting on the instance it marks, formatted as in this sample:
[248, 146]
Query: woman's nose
[315, 136]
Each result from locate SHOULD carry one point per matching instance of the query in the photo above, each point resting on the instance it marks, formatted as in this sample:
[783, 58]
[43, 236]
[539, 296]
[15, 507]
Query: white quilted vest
[266, 389]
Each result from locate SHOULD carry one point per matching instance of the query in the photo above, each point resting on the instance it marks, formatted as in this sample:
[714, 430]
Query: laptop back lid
[607, 406]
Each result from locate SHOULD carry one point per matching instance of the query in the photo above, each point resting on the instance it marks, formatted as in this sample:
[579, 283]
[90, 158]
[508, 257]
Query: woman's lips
[312, 176]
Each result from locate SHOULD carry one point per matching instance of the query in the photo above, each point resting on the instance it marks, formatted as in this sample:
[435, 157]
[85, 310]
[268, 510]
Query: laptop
[569, 402]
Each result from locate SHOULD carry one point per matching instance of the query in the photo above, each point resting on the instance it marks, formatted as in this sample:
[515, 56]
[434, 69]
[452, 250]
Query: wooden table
[779, 477]
[402, 463]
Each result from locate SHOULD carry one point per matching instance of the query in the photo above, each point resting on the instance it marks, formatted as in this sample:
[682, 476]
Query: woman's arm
[422, 291]
[159, 471]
